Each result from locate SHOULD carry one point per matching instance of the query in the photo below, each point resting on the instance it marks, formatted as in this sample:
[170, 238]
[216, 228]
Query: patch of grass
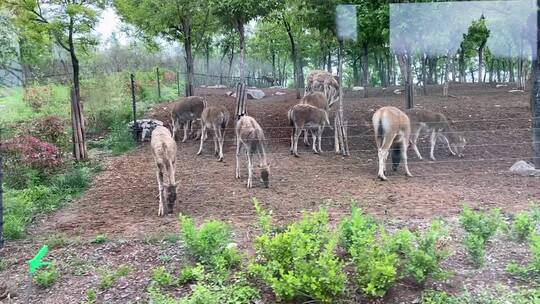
[108, 277]
[46, 277]
[191, 274]
[57, 240]
[100, 239]
[79, 267]
[3, 265]
[479, 228]
[91, 296]
[162, 277]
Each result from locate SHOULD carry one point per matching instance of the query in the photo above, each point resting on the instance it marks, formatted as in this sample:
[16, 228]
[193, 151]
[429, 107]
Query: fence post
[134, 106]
[1, 197]
[178, 82]
[535, 95]
[158, 84]
[240, 100]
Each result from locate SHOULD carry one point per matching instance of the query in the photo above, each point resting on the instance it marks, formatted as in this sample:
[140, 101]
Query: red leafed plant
[35, 153]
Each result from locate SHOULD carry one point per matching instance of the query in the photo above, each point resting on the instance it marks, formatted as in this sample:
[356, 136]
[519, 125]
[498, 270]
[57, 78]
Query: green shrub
[533, 268]
[209, 243]
[300, 261]
[352, 230]
[73, 181]
[46, 277]
[100, 239]
[108, 277]
[91, 296]
[523, 225]
[156, 296]
[191, 274]
[479, 228]
[438, 297]
[426, 254]
[119, 140]
[57, 240]
[162, 277]
[202, 295]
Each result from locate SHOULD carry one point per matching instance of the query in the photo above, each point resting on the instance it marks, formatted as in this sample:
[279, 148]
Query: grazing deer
[438, 125]
[214, 118]
[250, 136]
[309, 118]
[185, 112]
[318, 100]
[392, 131]
[164, 151]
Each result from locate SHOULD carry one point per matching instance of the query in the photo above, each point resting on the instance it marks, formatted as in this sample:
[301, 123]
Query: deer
[318, 100]
[250, 137]
[185, 112]
[438, 125]
[214, 118]
[164, 152]
[392, 131]
[309, 118]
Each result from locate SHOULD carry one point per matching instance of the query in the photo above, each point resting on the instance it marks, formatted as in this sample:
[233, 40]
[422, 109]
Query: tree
[173, 20]
[476, 38]
[236, 14]
[69, 23]
[8, 50]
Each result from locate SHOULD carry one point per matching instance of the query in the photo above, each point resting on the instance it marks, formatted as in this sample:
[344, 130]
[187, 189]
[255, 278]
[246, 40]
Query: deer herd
[394, 131]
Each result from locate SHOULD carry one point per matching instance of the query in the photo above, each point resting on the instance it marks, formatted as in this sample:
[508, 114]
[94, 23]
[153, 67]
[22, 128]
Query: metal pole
[535, 92]
[158, 84]
[133, 103]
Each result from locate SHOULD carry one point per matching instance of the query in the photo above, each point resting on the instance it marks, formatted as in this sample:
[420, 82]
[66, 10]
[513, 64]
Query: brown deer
[318, 100]
[185, 112]
[438, 125]
[164, 151]
[214, 118]
[250, 137]
[392, 130]
[309, 118]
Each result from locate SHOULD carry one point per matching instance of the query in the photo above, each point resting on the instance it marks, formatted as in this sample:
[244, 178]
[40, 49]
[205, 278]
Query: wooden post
[178, 82]
[1, 197]
[241, 99]
[158, 84]
[77, 125]
[134, 106]
[341, 129]
[409, 86]
[535, 94]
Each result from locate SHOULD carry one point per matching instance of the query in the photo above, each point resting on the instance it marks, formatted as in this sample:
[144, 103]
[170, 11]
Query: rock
[254, 94]
[279, 93]
[516, 91]
[276, 87]
[398, 91]
[203, 86]
[524, 169]
[217, 86]
[147, 126]
[501, 85]
[358, 88]
[229, 93]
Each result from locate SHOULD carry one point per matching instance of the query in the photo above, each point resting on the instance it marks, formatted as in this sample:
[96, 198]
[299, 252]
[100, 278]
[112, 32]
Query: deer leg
[216, 142]
[336, 133]
[159, 175]
[314, 137]
[203, 131]
[296, 136]
[413, 140]
[433, 141]
[404, 156]
[383, 154]
[250, 168]
[174, 129]
[291, 149]
[220, 138]
[238, 147]
[185, 132]
[306, 137]
[320, 138]
[448, 144]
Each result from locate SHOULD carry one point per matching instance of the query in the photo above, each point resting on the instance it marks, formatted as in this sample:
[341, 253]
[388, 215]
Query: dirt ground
[122, 200]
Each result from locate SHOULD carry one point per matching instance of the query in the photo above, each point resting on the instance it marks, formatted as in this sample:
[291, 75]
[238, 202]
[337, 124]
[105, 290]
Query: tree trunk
[425, 61]
[207, 62]
[480, 61]
[77, 118]
[231, 59]
[365, 65]
[189, 58]
[511, 70]
[294, 58]
[241, 34]
[273, 64]
[329, 63]
[356, 76]
[446, 74]
[434, 69]
[461, 62]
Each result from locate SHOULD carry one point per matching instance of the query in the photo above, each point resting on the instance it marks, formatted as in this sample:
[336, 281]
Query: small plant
[426, 254]
[100, 239]
[3, 265]
[55, 241]
[46, 277]
[91, 296]
[209, 243]
[156, 296]
[523, 225]
[108, 277]
[300, 261]
[162, 277]
[191, 274]
[202, 295]
[479, 228]
[439, 297]
[352, 229]
[239, 293]
[533, 268]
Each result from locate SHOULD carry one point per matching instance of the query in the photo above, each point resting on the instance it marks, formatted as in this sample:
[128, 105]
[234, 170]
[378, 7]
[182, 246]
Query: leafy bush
[119, 140]
[191, 274]
[426, 253]
[50, 129]
[162, 277]
[108, 277]
[479, 228]
[32, 152]
[525, 223]
[438, 297]
[209, 243]
[91, 296]
[73, 181]
[46, 277]
[38, 96]
[300, 261]
[57, 240]
[202, 295]
[100, 239]
[533, 268]
[374, 262]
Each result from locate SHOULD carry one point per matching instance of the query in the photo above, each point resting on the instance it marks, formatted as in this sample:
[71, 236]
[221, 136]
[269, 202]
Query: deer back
[189, 108]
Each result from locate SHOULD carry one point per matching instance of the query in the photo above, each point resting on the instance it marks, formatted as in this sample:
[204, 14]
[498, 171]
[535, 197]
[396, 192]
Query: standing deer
[318, 100]
[250, 137]
[392, 130]
[310, 118]
[438, 125]
[185, 112]
[164, 151]
[214, 118]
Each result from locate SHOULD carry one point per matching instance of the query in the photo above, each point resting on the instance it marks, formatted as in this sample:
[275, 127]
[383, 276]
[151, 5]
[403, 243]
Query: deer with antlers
[392, 130]
[250, 137]
[164, 151]
[438, 125]
[185, 112]
[214, 118]
[309, 118]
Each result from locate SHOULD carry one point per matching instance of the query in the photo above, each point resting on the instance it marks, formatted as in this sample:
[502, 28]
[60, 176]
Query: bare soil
[122, 201]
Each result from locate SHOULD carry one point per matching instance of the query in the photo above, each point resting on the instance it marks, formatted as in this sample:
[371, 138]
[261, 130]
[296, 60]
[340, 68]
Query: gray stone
[254, 94]
[524, 169]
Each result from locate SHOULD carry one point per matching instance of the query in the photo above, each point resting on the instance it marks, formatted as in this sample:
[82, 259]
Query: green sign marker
[36, 262]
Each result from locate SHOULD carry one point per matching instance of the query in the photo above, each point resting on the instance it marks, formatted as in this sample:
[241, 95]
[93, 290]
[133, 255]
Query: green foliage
[520, 296]
[191, 274]
[201, 295]
[355, 228]
[91, 296]
[438, 297]
[46, 277]
[100, 239]
[533, 268]
[57, 240]
[162, 277]
[479, 228]
[425, 255]
[209, 243]
[108, 277]
[300, 261]
[524, 224]
[119, 140]
[156, 296]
